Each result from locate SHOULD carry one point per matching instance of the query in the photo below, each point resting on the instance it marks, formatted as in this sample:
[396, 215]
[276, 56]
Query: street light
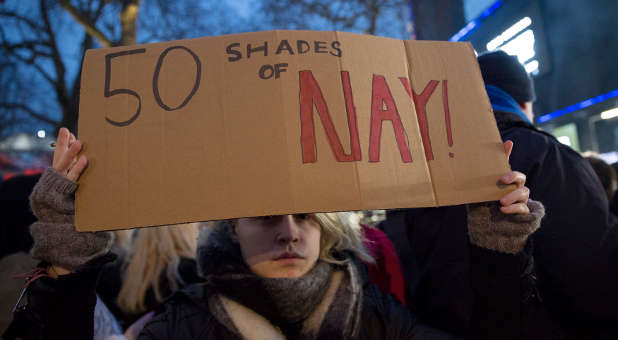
[609, 114]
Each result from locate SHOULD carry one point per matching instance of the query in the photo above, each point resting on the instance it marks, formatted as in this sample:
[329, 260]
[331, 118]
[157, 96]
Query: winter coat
[11, 286]
[575, 251]
[64, 307]
[61, 308]
[110, 284]
[386, 271]
[195, 314]
[188, 316]
[16, 214]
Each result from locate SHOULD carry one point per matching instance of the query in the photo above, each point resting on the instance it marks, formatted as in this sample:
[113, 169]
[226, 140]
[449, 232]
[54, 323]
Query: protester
[152, 264]
[294, 276]
[575, 251]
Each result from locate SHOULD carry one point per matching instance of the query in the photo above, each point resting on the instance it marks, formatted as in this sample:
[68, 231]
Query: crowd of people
[541, 263]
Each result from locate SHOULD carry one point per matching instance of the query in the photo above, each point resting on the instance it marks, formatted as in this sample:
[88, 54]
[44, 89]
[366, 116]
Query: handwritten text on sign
[383, 107]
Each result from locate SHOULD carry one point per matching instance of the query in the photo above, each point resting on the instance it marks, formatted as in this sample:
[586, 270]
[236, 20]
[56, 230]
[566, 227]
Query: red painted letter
[311, 93]
[381, 96]
[421, 114]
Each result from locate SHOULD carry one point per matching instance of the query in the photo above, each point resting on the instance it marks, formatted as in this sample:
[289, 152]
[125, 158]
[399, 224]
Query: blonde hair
[337, 236]
[123, 240]
[154, 251]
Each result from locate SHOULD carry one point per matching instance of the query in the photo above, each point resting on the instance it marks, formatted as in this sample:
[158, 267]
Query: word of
[267, 71]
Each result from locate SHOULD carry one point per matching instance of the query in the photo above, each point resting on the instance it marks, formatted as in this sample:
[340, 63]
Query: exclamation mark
[447, 117]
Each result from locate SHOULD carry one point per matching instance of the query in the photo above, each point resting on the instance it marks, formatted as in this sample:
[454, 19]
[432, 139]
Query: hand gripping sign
[282, 122]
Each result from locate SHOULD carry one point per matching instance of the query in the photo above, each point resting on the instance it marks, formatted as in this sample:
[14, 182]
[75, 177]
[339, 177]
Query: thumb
[508, 148]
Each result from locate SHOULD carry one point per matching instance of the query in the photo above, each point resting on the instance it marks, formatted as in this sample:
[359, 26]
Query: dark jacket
[575, 250]
[16, 214]
[187, 316]
[63, 309]
[10, 286]
[110, 284]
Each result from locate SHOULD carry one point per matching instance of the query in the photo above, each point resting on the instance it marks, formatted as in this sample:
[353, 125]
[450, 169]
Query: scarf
[502, 101]
[324, 303]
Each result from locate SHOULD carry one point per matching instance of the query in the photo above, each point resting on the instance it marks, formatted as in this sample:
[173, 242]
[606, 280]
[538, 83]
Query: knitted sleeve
[489, 228]
[55, 239]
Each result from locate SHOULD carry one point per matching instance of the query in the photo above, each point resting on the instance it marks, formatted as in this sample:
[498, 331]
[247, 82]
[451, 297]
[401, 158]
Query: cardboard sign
[282, 122]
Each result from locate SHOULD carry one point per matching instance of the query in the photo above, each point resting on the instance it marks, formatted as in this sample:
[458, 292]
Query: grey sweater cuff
[52, 197]
[61, 245]
[55, 238]
[489, 228]
[52, 180]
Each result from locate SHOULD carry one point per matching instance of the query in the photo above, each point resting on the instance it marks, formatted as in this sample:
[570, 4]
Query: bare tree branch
[30, 46]
[128, 20]
[86, 23]
[56, 58]
[28, 110]
[367, 16]
[27, 21]
[32, 61]
[374, 12]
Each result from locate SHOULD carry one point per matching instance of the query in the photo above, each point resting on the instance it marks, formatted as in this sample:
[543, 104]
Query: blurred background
[569, 47]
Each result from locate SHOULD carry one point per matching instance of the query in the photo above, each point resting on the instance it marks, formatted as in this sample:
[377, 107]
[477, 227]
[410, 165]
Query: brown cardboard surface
[463, 171]
[215, 140]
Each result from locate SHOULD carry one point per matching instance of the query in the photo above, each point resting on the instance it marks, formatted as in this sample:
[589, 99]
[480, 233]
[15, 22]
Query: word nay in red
[383, 108]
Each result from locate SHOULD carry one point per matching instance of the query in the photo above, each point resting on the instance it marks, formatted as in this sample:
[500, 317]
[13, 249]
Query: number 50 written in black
[108, 92]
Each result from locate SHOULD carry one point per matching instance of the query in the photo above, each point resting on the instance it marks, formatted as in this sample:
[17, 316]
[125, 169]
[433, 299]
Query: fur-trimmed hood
[218, 250]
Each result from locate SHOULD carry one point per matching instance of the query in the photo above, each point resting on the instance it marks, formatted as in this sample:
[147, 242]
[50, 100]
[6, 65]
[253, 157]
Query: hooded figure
[575, 251]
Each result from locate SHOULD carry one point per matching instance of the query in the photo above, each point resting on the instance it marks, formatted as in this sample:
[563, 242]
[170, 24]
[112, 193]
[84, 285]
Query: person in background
[270, 277]
[158, 262]
[575, 252]
[613, 205]
[16, 243]
[385, 271]
[605, 172]
[16, 214]
[10, 286]
[151, 265]
[15, 240]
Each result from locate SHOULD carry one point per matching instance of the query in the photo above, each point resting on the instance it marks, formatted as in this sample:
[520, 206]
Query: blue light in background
[474, 24]
[581, 105]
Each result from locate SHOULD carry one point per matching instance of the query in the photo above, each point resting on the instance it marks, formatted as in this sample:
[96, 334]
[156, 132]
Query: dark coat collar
[506, 120]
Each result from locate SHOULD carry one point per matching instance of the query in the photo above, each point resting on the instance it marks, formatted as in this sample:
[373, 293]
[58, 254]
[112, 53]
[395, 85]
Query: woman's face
[279, 246]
